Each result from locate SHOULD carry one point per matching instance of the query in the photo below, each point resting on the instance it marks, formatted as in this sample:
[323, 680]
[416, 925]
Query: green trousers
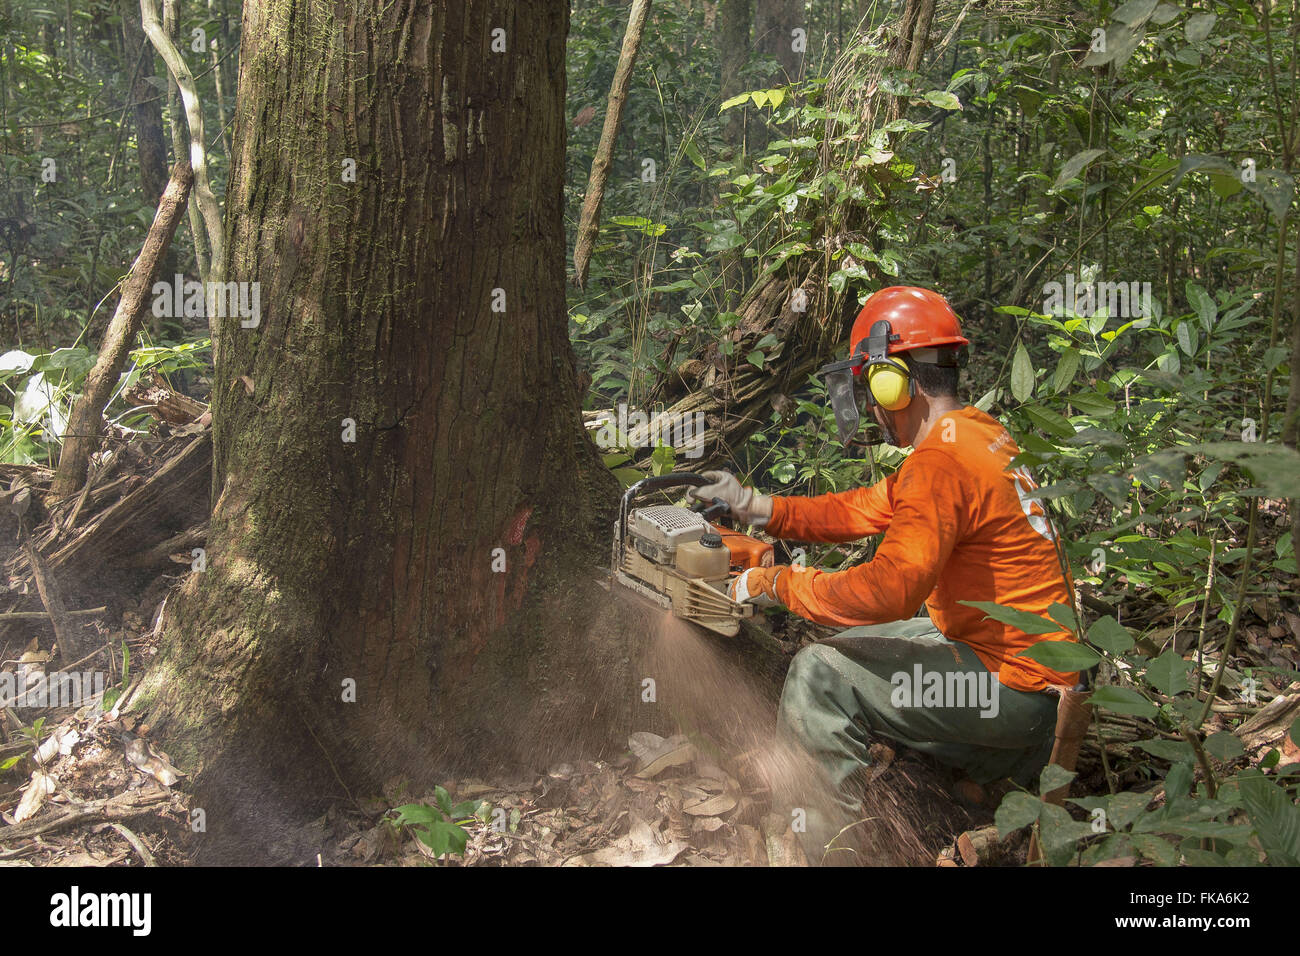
[906, 682]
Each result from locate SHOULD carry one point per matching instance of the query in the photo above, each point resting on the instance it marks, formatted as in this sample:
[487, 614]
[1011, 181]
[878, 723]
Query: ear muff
[890, 384]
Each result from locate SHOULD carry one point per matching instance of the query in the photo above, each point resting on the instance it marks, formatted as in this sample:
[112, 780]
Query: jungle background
[775, 163]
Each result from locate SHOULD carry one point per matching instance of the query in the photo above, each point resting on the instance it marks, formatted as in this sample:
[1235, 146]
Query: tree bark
[734, 18]
[423, 304]
[146, 105]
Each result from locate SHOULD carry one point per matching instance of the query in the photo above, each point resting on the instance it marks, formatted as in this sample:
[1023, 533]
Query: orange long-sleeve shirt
[958, 527]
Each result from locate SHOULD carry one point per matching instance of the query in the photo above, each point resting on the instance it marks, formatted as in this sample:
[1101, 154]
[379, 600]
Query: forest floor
[99, 791]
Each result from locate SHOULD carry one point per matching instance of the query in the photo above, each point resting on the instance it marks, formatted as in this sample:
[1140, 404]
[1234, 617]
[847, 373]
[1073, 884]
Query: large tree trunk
[372, 561]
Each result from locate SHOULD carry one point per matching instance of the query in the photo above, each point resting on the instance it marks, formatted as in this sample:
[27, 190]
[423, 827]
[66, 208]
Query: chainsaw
[676, 558]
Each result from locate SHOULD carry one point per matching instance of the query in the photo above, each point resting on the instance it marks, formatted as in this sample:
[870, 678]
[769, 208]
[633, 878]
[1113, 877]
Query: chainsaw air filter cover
[657, 531]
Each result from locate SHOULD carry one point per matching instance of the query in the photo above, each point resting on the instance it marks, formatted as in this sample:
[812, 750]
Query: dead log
[85, 423]
[164, 402]
[1269, 728]
[983, 847]
[169, 502]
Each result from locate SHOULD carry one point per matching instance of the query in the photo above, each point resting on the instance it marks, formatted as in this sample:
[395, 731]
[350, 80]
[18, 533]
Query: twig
[137, 843]
[20, 617]
[1193, 738]
[1205, 609]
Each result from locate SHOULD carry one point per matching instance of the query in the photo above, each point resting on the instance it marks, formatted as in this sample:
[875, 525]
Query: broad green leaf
[734, 101]
[1110, 635]
[1017, 809]
[1274, 189]
[1063, 614]
[443, 837]
[1022, 620]
[1158, 850]
[1165, 13]
[1205, 308]
[1092, 403]
[1062, 656]
[1198, 26]
[1171, 750]
[1053, 777]
[444, 799]
[1075, 165]
[1066, 369]
[1273, 814]
[1123, 700]
[417, 814]
[943, 100]
[1196, 161]
[1022, 374]
[1052, 422]
[1223, 746]
[1135, 11]
[1168, 673]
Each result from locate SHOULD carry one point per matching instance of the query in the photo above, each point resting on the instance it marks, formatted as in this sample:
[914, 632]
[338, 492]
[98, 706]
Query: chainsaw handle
[717, 509]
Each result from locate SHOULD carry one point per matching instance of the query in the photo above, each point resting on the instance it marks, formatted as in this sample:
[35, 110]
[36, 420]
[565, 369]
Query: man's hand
[756, 585]
[746, 504]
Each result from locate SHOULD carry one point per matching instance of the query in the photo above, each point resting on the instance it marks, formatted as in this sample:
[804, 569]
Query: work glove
[756, 585]
[746, 504]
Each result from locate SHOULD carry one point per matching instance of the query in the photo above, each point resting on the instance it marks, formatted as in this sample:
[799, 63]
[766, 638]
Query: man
[958, 526]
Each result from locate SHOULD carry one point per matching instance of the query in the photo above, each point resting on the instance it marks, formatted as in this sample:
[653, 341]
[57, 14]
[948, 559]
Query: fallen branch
[65, 633]
[86, 421]
[35, 617]
[121, 807]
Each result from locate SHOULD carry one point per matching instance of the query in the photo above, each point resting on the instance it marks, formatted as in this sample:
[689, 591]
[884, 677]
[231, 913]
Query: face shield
[846, 381]
[842, 388]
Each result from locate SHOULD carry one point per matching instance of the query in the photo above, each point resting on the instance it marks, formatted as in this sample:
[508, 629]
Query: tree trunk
[422, 304]
[734, 18]
[146, 105]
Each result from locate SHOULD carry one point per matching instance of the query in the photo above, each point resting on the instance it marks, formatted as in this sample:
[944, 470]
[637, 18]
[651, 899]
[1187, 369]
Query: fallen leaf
[641, 846]
[137, 751]
[35, 794]
[710, 806]
[673, 752]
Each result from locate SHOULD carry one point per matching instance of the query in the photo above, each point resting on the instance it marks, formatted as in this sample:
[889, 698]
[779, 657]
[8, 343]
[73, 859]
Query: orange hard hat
[918, 319]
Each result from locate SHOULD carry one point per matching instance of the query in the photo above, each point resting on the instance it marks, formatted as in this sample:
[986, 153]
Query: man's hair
[937, 381]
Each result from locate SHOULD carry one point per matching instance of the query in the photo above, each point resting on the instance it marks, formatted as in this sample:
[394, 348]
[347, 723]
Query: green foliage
[441, 826]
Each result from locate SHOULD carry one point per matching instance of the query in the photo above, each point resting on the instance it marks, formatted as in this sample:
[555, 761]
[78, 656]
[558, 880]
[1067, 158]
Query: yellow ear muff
[890, 385]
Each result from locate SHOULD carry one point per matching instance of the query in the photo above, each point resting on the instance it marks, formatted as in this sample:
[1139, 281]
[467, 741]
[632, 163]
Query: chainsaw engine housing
[648, 566]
